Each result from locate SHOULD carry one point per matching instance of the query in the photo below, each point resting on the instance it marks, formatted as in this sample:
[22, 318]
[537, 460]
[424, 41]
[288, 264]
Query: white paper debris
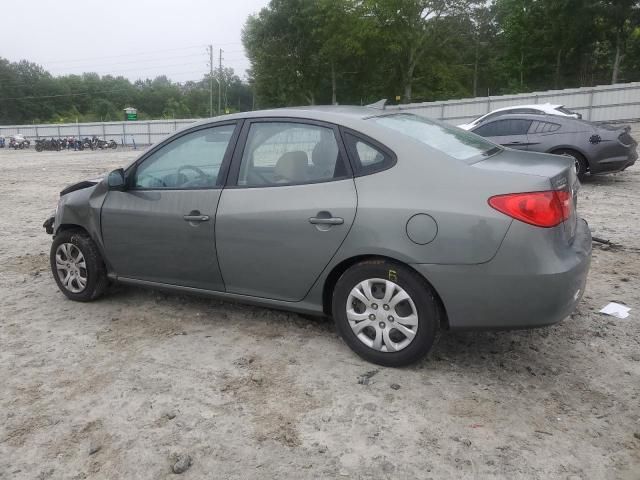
[616, 310]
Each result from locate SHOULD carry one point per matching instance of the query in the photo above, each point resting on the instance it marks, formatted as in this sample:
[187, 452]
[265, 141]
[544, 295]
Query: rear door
[162, 228]
[510, 132]
[288, 206]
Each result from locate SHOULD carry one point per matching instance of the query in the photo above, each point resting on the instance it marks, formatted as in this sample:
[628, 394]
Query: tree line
[30, 94]
[358, 51]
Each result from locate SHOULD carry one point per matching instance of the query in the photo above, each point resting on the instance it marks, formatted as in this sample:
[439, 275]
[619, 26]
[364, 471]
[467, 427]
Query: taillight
[542, 209]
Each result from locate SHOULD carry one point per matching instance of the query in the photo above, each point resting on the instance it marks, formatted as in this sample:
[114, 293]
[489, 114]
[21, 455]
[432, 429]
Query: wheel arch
[571, 148]
[333, 276]
[64, 227]
[71, 226]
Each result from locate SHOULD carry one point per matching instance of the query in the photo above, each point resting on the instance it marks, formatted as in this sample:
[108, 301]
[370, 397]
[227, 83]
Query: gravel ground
[143, 384]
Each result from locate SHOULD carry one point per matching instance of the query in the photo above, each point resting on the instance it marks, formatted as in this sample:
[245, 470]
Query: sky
[132, 38]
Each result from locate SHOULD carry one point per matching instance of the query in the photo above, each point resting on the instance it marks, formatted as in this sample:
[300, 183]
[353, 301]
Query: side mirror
[116, 180]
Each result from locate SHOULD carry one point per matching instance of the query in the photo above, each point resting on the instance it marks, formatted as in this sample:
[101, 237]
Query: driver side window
[191, 161]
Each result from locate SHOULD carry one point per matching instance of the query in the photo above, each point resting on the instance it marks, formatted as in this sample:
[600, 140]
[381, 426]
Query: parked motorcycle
[51, 144]
[102, 144]
[57, 144]
[18, 142]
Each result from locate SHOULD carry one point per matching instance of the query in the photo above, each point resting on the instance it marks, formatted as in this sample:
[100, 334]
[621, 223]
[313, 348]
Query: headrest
[292, 166]
[325, 154]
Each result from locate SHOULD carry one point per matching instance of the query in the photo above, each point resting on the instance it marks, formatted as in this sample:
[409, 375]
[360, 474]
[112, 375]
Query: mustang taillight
[542, 209]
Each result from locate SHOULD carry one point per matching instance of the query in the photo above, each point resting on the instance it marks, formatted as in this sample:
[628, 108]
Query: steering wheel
[159, 181]
[195, 169]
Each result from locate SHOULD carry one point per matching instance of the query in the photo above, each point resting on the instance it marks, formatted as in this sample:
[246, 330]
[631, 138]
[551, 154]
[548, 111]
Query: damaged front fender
[48, 224]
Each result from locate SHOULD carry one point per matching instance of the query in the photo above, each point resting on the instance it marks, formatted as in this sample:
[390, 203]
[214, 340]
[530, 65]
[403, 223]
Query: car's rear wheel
[77, 266]
[579, 162]
[385, 312]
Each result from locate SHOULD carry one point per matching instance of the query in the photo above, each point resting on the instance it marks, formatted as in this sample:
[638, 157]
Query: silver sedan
[394, 225]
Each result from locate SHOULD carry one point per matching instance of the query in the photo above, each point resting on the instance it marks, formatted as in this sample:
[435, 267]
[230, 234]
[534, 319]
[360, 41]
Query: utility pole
[210, 49]
[220, 83]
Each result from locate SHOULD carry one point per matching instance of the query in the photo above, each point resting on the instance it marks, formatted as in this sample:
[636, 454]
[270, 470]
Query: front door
[162, 228]
[288, 209]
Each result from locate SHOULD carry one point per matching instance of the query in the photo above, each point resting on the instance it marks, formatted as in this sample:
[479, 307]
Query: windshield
[452, 141]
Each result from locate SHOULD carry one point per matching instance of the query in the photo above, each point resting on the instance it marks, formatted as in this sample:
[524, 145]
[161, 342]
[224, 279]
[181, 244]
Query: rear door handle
[326, 221]
[195, 216]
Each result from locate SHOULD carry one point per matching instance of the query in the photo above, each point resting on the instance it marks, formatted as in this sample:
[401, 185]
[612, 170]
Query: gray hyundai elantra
[393, 224]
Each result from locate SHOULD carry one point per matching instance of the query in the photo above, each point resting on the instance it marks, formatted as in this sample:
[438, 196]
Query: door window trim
[131, 170]
[497, 120]
[236, 161]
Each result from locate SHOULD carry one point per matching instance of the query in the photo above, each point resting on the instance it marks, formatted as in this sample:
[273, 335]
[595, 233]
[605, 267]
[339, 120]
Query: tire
[67, 244]
[38, 148]
[581, 164]
[368, 322]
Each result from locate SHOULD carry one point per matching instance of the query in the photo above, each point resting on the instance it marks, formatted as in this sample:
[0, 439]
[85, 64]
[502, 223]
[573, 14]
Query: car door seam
[321, 274]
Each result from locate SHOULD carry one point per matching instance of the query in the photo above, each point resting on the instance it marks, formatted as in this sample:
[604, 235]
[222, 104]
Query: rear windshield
[452, 141]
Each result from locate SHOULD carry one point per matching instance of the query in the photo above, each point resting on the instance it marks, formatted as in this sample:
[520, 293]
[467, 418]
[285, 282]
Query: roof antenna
[380, 104]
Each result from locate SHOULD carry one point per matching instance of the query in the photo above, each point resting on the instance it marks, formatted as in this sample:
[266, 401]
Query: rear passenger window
[369, 158]
[368, 155]
[288, 153]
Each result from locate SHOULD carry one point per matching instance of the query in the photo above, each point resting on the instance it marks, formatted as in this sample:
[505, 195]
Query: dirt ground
[119, 387]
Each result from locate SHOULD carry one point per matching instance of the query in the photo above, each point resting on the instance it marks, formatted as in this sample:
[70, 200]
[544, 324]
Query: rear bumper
[529, 283]
[614, 164]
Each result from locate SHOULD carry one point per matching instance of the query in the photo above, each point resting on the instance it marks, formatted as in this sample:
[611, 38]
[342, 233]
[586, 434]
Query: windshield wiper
[492, 151]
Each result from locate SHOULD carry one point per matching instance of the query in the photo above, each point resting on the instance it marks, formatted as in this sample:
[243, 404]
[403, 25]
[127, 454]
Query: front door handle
[326, 221]
[195, 216]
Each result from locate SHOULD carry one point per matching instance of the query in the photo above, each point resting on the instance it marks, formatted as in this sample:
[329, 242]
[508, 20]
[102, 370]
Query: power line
[152, 67]
[140, 53]
[210, 48]
[220, 84]
[109, 73]
[80, 94]
[125, 54]
[64, 95]
[156, 59]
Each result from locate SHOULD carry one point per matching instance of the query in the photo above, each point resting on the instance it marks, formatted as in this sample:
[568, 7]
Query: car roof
[541, 117]
[328, 113]
[537, 105]
[352, 117]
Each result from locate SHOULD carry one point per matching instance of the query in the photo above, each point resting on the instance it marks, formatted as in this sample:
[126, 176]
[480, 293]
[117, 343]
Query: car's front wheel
[385, 312]
[77, 266]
